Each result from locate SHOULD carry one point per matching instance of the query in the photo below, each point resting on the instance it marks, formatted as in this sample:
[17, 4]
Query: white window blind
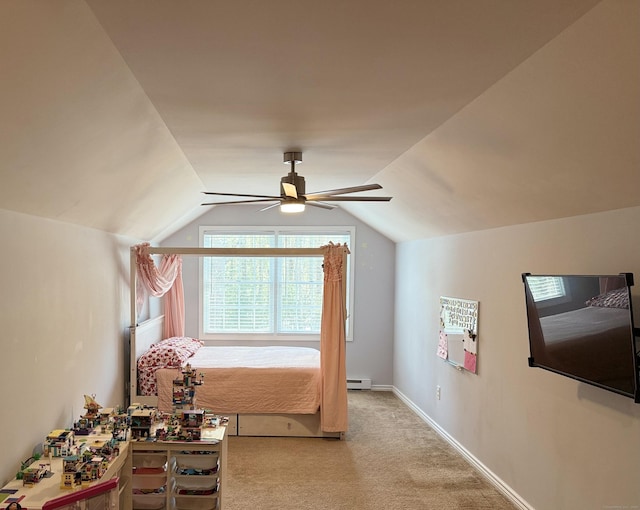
[264, 296]
[544, 288]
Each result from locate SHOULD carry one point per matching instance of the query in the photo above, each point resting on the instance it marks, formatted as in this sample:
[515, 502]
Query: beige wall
[64, 312]
[556, 443]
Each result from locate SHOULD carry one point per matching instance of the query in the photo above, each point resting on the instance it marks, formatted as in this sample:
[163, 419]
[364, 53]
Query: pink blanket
[251, 380]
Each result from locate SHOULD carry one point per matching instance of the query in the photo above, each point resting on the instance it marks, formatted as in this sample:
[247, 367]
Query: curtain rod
[249, 252]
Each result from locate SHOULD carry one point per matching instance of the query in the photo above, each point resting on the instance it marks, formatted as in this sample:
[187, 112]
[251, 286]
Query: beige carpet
[389, 460]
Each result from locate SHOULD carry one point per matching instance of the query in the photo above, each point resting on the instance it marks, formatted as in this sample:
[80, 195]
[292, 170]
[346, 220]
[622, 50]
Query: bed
[236, 379]
[577, 341]
[265, 391]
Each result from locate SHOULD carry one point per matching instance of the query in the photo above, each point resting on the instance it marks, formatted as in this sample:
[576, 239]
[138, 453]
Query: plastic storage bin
[149, 484]
[186, 503]
[197, 462]
[148, 502]
[149, 460]
[196, 486]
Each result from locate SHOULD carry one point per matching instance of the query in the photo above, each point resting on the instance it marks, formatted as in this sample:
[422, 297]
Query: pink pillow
[169, 353]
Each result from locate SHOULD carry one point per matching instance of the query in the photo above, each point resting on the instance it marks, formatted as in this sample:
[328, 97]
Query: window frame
[275, 337]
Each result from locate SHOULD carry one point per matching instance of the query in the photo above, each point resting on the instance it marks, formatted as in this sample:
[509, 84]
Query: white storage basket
[197, 461]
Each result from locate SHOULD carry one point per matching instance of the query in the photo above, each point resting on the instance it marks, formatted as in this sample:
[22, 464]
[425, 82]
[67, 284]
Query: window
[547, 288]
[266, 297]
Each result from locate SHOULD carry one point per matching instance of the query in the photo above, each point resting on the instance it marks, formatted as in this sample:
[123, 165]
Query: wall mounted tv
[582, 327]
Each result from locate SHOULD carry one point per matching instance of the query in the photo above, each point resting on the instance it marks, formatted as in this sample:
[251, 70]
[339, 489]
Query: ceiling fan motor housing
[296, 180]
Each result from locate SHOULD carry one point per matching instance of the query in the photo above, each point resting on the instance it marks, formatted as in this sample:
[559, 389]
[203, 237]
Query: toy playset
[84, 462]
[184, 389]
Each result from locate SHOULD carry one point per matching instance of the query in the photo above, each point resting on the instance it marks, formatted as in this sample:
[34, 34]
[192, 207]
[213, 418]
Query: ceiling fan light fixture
[292, 207]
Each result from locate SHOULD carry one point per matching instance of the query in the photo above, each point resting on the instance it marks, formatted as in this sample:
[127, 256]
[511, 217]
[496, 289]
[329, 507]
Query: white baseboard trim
[499, 484]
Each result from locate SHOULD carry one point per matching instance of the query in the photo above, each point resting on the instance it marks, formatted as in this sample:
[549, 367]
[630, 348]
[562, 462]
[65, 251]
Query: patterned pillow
[169, 353]
[617, 298]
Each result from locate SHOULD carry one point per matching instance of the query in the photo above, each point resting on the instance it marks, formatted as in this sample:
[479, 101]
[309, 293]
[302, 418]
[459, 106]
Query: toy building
[108, 449]
[71, 476]
[92, 467]
[105, 419]
[92, 407]
[120, 426]
[90, 419]
[184, 389]
[191, 422]
[83, 427]
[133, 408]
[141, 422]
[82, 469]
[59, 443]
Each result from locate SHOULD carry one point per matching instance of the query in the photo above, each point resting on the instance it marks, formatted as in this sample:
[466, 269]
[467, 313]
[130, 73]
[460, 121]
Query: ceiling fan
[293, 197]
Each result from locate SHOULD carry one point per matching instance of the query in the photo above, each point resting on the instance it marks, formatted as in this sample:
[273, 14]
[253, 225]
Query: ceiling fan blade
[321, 204]
[342, 191]
[269, 207]
[270, 199]
[289, 190]
[240, 195]
[349, 199]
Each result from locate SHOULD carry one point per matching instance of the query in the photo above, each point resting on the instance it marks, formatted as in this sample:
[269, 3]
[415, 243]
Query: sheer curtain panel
[333, 342]
[164, 281]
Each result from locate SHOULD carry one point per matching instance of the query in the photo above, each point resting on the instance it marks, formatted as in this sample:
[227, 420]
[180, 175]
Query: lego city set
[85, 461]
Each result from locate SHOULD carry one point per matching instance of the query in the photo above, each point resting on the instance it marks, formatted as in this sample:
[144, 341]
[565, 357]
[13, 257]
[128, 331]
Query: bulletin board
[458, 339]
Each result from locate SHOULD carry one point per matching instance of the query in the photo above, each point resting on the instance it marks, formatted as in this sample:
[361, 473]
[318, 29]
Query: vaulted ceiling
[472, 114]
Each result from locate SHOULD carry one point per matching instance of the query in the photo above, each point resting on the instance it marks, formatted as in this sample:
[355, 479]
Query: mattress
[591, 321]
[261, 380]
[577, 343]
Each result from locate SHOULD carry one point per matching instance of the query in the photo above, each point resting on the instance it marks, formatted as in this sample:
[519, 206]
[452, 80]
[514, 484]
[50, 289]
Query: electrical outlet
[438, 392]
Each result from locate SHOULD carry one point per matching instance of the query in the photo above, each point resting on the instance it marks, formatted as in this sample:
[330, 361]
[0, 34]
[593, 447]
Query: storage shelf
[196, 467]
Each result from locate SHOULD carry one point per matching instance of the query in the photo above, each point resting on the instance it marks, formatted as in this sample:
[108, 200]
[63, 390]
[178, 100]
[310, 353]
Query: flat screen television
[582, 327]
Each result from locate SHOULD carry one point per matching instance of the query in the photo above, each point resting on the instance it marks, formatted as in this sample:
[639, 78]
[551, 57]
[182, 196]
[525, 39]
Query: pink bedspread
[260, 380]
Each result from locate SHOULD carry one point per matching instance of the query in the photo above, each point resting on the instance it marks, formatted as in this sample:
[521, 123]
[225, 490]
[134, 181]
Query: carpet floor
[390, 459]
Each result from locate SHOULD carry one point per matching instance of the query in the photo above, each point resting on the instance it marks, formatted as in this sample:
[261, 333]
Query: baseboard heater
[358, 384]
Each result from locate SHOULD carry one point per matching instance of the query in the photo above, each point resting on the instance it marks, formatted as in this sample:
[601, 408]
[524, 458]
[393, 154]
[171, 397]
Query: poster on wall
[458, 338]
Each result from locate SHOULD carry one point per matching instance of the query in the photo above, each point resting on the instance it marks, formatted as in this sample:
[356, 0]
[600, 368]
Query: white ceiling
[472, 114]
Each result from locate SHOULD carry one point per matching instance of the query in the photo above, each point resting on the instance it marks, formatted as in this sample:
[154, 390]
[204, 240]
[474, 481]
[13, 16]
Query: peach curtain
[164, 281]
[334, 416]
